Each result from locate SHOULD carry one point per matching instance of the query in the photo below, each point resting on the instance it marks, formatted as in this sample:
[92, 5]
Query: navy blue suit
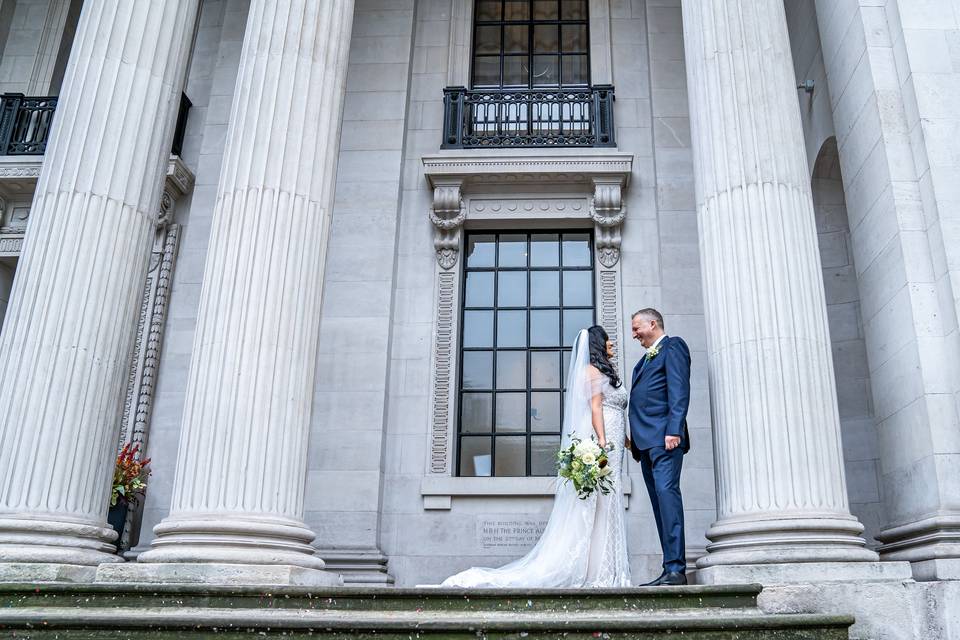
[659, 399]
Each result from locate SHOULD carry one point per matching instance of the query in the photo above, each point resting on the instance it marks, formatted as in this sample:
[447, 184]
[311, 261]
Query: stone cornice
[480, 167]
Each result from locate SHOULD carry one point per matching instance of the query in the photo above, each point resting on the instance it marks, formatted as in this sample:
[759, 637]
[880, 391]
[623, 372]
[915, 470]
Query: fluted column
[781, 492]
[239, 486]
[66, 342]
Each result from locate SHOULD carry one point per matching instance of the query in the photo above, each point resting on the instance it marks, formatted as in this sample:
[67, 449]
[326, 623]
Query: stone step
[378, 598]
[68, 622]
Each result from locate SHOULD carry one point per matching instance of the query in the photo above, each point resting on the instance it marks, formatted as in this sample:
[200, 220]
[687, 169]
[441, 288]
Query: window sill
[438, 492]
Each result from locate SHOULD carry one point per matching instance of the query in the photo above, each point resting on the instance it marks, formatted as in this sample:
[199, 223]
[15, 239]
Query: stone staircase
[114, 611]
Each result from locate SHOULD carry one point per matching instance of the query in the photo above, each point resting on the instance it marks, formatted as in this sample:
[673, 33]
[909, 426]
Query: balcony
[25, 123]
[502, 118]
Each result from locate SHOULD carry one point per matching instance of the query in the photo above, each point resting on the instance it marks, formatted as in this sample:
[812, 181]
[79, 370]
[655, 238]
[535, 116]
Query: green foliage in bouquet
[586, 465]
[129, 475]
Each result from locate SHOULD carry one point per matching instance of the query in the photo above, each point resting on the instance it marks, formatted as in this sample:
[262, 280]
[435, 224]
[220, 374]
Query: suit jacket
[660, 397]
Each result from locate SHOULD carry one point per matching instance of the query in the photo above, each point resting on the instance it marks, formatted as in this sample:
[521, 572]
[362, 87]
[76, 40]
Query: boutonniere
[652, 353]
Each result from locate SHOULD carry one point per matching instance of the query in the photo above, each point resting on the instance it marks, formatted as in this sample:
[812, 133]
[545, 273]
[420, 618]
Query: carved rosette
[607, 212]
[447, 214]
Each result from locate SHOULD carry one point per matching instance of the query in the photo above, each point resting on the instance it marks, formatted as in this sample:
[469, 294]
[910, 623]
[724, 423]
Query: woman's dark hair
[598, 353]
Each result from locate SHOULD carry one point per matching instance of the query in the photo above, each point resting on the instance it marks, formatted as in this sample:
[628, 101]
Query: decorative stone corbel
[178, 182]
[607, 211]
[447, 214]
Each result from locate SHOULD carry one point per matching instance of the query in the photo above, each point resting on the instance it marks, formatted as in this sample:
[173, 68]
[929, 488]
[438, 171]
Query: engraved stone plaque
[509, 533]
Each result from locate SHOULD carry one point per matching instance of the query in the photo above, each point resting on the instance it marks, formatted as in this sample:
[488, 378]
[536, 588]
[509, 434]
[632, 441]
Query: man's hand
[671, 442]
[627, 444]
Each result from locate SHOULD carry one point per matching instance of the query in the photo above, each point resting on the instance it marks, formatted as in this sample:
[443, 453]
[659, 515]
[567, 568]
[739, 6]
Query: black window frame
[531, 22]
[494, 349]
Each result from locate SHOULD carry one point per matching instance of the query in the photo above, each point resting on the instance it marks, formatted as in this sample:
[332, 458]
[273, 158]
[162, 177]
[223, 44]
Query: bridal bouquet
[586, 464]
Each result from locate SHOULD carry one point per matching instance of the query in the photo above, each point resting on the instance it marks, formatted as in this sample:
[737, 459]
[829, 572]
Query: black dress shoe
[673, 579]
[655, 581]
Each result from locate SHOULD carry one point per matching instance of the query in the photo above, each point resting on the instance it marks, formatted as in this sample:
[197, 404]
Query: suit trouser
[661, 473]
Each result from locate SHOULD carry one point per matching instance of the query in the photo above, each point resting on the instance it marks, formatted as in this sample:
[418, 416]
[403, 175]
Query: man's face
[644, 330]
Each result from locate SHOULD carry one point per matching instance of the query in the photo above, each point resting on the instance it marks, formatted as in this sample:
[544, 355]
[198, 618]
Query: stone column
[237, 508]
[66, 342]
[781, 492]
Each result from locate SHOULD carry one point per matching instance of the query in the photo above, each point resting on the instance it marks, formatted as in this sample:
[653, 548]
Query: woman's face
[610, 348]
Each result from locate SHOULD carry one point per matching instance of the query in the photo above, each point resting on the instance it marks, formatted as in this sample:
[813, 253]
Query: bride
[584, 543]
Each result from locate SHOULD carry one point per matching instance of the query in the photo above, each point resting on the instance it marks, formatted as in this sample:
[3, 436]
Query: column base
[229, 539]
[47, 541]
[804, 572]
[30, 572]
[213, 573]
[783, 539]
[931, 545]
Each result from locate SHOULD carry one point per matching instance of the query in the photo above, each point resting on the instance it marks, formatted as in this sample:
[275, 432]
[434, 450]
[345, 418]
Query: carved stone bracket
[607, 212]
[179, 182]
[447, 215]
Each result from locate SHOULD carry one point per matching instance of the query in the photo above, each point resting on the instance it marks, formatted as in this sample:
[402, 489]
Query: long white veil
[561, 556]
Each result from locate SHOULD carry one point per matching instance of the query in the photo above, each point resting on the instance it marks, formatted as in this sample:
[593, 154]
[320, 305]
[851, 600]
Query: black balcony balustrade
[503, 118]
[25, 123]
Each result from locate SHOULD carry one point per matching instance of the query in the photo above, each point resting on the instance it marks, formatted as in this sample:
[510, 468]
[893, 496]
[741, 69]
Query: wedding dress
[584, 543]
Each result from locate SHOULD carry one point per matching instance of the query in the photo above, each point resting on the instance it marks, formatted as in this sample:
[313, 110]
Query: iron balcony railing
[25, 123]
[528, 118]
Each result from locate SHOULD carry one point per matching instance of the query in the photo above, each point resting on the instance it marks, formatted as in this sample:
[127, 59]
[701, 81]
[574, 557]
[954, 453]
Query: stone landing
[195, 611]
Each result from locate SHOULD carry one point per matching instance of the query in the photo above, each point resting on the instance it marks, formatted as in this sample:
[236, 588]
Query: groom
[658, 437]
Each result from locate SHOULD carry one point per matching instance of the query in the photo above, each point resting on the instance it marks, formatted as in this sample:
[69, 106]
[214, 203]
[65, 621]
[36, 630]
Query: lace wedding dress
[584, 543]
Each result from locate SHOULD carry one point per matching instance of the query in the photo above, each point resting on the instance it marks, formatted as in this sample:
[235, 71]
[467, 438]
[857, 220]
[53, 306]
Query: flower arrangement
[652, 352]
[585, 463]
[129, 476]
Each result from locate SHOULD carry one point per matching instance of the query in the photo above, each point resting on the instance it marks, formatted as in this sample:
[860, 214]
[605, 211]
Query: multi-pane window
[525, 297]
[530, 44]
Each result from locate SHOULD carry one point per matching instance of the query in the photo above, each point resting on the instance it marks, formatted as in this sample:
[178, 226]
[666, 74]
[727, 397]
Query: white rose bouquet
[585, 463]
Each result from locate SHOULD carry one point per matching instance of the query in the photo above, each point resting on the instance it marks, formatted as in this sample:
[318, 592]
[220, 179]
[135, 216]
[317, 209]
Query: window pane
[545, 369]
[578, 288]
[475, 456]
[576, 250]
[488, 10]
[513, 251]
[544, 250]
[516, 73]
[573, 321]
[543, 455]
[486, 71]
[576, 72]
[516, 38]
[488, 40]
[478, 328]
[573, 38]
[511, 456]
[511, 329]
[512, 412]
[544, 288]
[545, 10]
[545, 39]
[545, 411]
[477, 369]
[480, 250]
[573, 9]
[479, 289]
[565, 366]
[516, 10]
[511, 370]
[476, 412]
[512, 288]
[545, 71]
[544, 328]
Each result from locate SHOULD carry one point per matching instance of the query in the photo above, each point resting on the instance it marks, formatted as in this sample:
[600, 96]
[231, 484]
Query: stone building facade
[295, 315]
